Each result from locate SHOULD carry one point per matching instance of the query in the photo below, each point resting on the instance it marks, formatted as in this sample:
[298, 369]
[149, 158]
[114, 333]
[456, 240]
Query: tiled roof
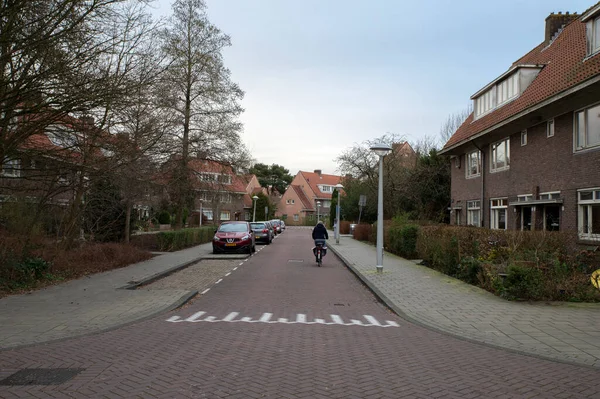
[238, 183]
[315, 178]
[306, 203]
[248, 203]
[564, 66]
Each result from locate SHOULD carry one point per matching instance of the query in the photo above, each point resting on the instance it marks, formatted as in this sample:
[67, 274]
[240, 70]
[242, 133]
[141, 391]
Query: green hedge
[185, 238]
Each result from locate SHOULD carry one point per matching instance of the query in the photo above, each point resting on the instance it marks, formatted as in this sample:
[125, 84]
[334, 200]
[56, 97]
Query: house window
[11, 168]
[474, 213]
[587, 128]
[550, 128]
[289, 201]
[593, 36]
[296, 217]
[457, 162]
[326, 189]
[457, 216]
[225, 179]
[507, 89]
[500, 156]
[550, 195]
[589, 214]
[498, 213]
[226, 198]
[524, 197]
[486, 102]
[523, 137]
[225, 215]
[208, 214]
[473, 164]
[246, 216]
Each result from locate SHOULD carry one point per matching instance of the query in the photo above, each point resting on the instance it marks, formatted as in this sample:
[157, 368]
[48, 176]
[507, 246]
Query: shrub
[164, 217]
[362, 232]
[344, 227]
[184, 238]
[523, 282]
[469, 270]
[402, 240]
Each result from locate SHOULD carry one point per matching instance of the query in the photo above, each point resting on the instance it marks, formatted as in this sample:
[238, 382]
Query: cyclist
[319, 234]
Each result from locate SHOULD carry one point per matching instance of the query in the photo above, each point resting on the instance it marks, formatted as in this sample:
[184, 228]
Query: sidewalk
[560, 331]
[94, 303]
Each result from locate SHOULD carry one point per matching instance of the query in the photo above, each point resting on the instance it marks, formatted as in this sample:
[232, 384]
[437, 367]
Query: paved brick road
[283, 348]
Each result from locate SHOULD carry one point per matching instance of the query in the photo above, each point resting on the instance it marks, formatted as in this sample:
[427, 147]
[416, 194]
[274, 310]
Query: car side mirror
[215, 231]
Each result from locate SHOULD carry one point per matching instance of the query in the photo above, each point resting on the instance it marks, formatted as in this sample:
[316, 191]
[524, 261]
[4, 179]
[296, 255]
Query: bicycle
[320, 250]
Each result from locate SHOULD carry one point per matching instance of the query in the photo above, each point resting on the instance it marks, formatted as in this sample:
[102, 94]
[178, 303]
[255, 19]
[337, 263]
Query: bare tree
[453, 122]
[198, 88]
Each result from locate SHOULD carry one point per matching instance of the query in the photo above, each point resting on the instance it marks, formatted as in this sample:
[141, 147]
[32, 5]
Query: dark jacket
[320, 232]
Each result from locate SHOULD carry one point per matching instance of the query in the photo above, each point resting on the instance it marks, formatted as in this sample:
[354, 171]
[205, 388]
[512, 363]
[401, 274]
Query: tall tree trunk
[128, 222]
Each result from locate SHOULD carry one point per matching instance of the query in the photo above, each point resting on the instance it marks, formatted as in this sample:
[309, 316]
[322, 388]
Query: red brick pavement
[160, 359]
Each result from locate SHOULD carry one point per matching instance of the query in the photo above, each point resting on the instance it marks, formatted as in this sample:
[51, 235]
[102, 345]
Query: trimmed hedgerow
[184, 238]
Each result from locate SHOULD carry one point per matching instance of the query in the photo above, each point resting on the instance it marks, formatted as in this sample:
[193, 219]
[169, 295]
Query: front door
[526, 218]
[552, 217]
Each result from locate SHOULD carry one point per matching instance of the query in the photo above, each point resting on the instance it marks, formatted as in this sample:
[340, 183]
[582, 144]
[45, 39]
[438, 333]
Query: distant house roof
[316, 178]
[306, 203]
[238, 183]
[563, 65]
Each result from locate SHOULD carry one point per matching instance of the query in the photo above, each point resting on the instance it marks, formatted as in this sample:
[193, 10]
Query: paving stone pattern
[159, 359]
[562, 331]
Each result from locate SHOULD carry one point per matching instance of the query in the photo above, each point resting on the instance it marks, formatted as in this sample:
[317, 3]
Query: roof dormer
[592, 30]
[504, 89]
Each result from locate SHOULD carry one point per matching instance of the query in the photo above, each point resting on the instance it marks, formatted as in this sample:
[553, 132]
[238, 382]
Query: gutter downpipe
[482, 183]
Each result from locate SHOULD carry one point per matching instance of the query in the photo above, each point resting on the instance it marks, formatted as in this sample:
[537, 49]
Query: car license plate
[256, 236]
[230, 244]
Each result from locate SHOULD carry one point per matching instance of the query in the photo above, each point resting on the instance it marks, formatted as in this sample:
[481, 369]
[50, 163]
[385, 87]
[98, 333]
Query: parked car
[282, 225]
[277, 224]
[271, 227]
[262, 232]
[234, 237]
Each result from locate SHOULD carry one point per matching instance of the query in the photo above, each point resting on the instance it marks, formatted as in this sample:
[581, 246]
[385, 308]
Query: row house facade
[307, 198]
[528, 157]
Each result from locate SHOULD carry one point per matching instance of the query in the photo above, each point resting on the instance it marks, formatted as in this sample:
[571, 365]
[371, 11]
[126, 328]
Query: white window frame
[226, 198]
[524, 197]
[326, 189]
[584, 211]
[577, 146]
[247, 216]
[290, 201]
[497, 207]
[550, 128]
[493, 155]
[474, 207]
[225, 215]
[550, 195]
[296, 217]
[523, 137]
[469, 156]
[11, 167]
[208, 213]
[592, 44]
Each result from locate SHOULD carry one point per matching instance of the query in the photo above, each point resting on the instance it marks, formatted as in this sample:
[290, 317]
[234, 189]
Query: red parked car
[234, 237]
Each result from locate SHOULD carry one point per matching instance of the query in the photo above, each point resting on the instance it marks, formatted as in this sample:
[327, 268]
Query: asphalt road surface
[278, 326]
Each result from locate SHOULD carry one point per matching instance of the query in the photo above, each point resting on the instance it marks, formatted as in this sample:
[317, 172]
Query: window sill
[473, 176]
[499, 170]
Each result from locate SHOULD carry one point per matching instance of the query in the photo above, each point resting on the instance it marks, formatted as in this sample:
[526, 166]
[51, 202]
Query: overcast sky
[322, 75]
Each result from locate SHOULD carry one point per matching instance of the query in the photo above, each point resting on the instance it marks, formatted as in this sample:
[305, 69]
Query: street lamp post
[254, 213]
[318, 209]
[200, 213]
[337, 214]
[381, 150]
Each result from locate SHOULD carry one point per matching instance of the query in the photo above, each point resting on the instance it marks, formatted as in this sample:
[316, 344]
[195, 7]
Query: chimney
[318, 171]
[555, 22]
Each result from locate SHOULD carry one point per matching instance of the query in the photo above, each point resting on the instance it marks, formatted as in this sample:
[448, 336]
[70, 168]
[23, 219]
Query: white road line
[300, 318]
[235, 268]
[372, 320]
[357, 322]
[195, 317]
[205, 291]
[241, 264]
[175, 319]
[320, 321]
[392, 324]
[280, 320]
[246, 319]
[218, 281]
[265, 317]
[210, 318]
[337, 319]
[227, 274]
[231, 316]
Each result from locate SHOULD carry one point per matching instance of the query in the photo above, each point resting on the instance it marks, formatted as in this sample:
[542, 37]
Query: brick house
[220, 192]
[300, 202]
[528, 157]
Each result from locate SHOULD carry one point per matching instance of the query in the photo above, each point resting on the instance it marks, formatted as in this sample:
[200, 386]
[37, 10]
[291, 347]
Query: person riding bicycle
[319, 234]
